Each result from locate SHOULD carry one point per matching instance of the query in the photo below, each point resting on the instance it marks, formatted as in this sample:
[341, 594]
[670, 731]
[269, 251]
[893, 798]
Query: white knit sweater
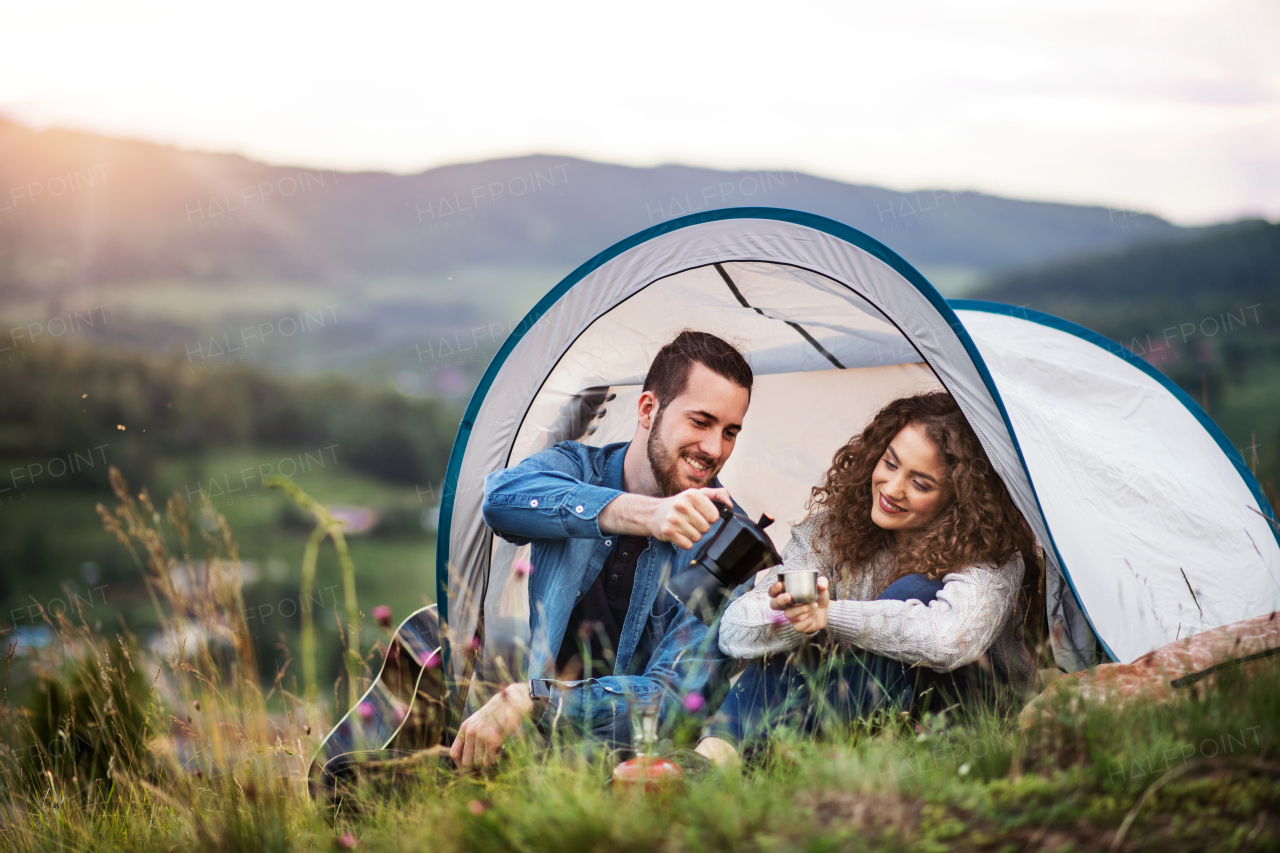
[975, 612]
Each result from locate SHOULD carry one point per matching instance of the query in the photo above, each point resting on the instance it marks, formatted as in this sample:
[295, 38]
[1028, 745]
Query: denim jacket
[554, 499]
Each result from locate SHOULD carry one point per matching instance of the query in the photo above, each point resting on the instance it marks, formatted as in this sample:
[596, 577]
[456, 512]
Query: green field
[49, 537]
[106, 744]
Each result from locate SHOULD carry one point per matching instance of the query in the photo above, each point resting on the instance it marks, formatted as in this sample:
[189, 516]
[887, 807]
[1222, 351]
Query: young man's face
[692, 436]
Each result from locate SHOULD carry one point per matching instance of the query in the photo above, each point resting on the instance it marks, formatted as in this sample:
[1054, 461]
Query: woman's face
[908, 485]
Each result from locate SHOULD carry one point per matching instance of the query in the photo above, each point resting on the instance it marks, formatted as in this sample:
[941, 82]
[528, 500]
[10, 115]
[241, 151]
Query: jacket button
[533, 503]
[608, 542]
[579, 508]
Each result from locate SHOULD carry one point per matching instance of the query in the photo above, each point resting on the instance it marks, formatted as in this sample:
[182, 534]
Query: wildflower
[431, 660]
[382, 615]
[477, 807]
[475, 643]
[346, 840]
[523, 568]
[366, 711]
[693, 703]
[195, 703]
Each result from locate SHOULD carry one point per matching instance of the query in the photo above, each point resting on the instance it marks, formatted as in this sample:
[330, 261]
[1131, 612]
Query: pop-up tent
[1153, 527]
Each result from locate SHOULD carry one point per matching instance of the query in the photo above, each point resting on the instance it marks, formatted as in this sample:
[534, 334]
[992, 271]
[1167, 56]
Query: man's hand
[482, 735]
[680, 519]
[805, 618]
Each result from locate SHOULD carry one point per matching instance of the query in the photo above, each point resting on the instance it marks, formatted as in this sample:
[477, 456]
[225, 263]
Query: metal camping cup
[802, 584]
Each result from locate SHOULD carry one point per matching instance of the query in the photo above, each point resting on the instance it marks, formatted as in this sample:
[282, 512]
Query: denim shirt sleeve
[546, 496]
[684, 674]
[686, 671]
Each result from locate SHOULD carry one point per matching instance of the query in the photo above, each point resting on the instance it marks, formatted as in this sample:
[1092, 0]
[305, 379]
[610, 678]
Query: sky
[1168, 107]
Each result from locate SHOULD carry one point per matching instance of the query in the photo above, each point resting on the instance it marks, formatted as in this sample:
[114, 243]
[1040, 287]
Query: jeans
[815, 686]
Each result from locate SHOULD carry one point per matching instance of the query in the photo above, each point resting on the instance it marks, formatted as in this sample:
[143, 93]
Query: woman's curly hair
[978, 524]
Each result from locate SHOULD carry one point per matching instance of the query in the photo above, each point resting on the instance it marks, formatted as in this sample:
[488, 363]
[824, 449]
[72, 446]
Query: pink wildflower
[382, 614]
[693, 703]
[347, 840]
[523, 568]
[475, 644]
[431, 660]
[366, 711]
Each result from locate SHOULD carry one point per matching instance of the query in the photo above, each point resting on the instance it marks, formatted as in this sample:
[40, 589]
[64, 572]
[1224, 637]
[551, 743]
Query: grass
[397, 569]
[118, 748]
[888, 790]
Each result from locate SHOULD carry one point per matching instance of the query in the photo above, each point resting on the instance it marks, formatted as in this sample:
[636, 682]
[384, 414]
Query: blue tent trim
[819, 223]
[1215, 431]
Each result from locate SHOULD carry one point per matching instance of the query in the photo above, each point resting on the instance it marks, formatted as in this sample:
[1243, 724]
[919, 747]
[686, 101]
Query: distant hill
[1203, 310]
[78, 209]
[1131, 292]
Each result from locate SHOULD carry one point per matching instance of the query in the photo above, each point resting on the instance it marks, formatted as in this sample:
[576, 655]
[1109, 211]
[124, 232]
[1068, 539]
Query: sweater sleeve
[952, 630]
[749, 627]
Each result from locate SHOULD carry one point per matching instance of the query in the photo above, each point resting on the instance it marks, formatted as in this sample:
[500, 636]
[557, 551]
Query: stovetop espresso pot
[734, 553]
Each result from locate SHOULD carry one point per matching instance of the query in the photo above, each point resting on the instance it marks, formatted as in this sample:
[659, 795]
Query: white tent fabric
[835, 325]
[1163, 537]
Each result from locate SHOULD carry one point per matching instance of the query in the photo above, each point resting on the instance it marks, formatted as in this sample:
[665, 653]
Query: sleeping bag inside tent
[1153, 527]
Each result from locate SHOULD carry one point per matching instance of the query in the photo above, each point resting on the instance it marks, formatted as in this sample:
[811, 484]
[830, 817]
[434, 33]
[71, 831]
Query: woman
[921, 559]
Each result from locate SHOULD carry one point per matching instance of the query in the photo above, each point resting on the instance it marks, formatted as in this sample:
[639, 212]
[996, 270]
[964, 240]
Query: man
[608, 525]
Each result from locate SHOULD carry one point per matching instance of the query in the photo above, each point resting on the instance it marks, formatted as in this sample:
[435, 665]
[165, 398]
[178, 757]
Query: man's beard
[665, 464]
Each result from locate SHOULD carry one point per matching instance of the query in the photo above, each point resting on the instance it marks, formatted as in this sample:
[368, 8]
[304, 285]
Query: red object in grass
[382, 614]
[649, 774]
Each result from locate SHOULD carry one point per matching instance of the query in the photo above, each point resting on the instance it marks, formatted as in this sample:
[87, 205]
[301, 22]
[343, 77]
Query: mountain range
[78, 209]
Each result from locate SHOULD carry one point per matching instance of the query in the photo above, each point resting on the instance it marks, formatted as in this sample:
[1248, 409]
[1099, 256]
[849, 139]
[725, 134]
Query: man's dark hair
[669, 373]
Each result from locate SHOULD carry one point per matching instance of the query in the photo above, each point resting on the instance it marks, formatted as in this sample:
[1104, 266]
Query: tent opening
[825, 361]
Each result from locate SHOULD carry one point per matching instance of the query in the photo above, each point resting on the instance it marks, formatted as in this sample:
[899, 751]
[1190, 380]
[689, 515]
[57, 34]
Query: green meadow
[108, 745]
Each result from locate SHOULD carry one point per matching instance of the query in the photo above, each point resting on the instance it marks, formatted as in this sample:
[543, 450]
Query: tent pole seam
[803, 333]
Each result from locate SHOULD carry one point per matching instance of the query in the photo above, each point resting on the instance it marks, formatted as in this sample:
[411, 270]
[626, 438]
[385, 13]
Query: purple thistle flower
[382, 614]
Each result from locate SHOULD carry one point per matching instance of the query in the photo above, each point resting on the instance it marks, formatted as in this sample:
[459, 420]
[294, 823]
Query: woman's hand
[805, 618]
